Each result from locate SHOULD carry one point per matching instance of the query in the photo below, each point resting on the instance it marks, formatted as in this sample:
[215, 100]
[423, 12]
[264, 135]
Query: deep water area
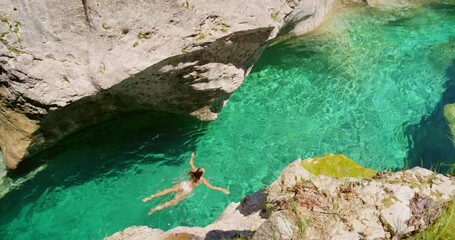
[369, 84]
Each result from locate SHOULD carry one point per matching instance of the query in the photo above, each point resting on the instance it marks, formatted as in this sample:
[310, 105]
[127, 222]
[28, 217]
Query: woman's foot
[146, 199]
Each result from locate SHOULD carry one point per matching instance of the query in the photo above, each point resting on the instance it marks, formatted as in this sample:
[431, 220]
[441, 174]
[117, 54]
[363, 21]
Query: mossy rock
[336, 166]
[443, 228]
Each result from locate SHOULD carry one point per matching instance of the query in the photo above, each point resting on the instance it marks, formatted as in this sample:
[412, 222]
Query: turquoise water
[366, 84]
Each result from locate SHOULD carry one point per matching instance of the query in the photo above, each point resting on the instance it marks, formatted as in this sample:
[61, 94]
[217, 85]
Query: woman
[184, 188]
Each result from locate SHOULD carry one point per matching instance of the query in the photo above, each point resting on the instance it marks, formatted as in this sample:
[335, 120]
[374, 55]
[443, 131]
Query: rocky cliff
[330, 197]
[67, 65]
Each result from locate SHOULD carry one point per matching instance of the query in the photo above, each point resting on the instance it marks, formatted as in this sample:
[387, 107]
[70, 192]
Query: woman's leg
[174, 188]
[179, 197]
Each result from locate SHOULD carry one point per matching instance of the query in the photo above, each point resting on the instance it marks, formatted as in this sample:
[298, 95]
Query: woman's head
[196, 175]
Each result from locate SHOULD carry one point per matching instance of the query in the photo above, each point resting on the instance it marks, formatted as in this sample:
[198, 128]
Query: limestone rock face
[66, 65]
[307, 16]
[302, 205]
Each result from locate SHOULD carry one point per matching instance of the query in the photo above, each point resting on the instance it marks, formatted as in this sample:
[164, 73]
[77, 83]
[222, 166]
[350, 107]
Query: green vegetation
[201, 36]
[143, 35]
[443, 228]
[299, 218]
[13, 29]
[388, 202]
[15, 50]
[274, 15]
[4, 19]
[337, 166]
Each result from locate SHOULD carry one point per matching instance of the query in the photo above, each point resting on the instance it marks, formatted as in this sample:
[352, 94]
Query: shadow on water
[111, 148]
[430, 143]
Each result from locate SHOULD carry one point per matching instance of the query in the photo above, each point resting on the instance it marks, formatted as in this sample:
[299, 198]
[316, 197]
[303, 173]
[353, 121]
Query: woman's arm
[204, 181]
[192, 162]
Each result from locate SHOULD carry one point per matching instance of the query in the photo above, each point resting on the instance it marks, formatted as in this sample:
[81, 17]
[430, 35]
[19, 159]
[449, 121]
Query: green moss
[443, 228]
[15, 50]
[104, 26]
[388, 202]
[201, 36]
[143, 35]
[13, 29]
[136, 44]
[4, 19]
[337, 166]
[16, 27]
[274, 15]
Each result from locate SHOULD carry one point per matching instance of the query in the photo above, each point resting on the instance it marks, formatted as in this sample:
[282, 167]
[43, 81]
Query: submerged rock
[65, 66]
[303, 205]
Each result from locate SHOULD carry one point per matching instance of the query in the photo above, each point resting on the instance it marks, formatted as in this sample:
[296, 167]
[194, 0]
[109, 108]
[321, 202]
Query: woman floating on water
[184, 188]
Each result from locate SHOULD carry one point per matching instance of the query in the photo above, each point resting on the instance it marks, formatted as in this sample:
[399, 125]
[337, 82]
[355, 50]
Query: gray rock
[307, 16]
[288, 178]
[277, 226]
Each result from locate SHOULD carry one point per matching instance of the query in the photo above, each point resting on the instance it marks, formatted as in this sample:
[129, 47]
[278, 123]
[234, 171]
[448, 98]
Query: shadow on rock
[253, 203]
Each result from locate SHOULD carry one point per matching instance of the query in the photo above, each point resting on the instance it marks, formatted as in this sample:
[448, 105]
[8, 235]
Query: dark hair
[196, 175]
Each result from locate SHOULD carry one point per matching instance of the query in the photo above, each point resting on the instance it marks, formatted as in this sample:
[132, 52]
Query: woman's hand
[225, 191]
